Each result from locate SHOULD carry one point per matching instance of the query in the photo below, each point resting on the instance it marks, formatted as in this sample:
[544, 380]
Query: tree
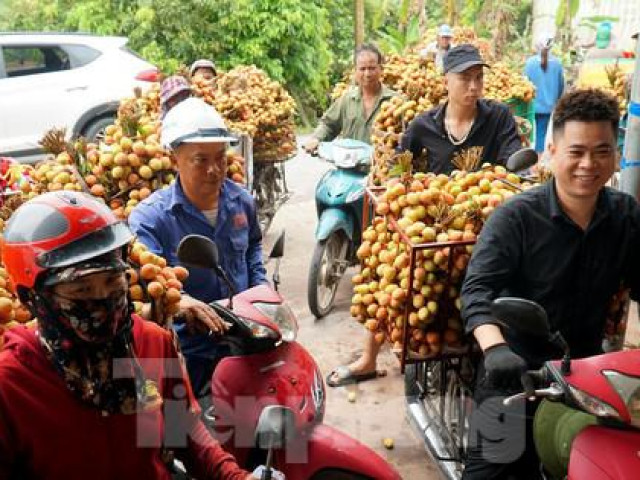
[290, 39]
[418, 10]
[452, 12]
[406, 33]
[567, 10]
[342, 27]
[359, 24]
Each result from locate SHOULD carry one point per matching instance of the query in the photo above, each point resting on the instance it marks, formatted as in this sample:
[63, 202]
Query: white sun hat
[193, 121]
[203, 63]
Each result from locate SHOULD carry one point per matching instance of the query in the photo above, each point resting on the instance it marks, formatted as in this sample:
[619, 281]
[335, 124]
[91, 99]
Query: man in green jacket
[352, 115]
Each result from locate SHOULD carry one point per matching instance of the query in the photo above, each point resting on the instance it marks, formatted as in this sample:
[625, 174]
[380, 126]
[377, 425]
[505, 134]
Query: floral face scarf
[83, 338]
[92, 320]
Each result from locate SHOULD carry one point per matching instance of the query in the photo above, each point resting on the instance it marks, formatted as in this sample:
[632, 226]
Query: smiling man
[465, 121]
[568, 245]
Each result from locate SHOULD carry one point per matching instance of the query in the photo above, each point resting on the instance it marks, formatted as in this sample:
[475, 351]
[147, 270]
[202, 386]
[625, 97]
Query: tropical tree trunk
[452, 12]
[568, 36]
[501, 14]
[418, 9]
[359, 22]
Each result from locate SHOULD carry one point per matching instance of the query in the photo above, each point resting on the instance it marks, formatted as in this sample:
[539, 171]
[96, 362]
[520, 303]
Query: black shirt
[494, 130]
[530, 248]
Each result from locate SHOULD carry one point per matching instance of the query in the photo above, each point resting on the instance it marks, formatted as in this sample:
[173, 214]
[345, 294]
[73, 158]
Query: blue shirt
[164, 218]
[549, 84]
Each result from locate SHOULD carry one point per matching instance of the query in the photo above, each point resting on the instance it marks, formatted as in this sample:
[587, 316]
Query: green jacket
[345, 117]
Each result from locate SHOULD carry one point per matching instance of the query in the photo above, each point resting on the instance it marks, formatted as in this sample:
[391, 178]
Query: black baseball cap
[461, 58]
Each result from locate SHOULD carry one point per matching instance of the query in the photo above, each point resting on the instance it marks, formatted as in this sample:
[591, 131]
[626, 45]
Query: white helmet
[193, 121]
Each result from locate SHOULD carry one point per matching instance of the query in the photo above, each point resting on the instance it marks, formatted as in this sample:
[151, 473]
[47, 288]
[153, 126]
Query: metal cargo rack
[265, 180]
[438, 387]
[405, 356]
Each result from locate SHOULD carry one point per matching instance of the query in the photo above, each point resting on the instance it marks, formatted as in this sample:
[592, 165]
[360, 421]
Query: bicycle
[439, 399]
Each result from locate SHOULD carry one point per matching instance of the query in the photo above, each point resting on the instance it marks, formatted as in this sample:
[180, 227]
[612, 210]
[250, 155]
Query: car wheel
[94, 132]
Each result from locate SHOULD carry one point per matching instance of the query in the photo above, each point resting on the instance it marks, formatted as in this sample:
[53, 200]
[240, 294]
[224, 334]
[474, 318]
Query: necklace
[452, 138]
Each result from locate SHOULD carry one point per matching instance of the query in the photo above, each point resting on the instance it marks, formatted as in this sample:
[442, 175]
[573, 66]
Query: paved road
[379, 409]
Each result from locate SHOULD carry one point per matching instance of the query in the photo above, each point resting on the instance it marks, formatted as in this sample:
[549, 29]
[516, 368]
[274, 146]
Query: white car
[62, 80]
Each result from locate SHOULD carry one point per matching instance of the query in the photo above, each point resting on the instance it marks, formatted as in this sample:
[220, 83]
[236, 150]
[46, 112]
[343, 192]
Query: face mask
[92, 320]
[83, 347]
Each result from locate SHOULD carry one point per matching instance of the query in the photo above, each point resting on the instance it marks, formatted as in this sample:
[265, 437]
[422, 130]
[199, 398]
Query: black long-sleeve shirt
[530, 248]
[494, 130]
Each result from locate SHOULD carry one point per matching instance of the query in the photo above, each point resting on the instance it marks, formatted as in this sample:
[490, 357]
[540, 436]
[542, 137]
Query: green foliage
[561, 13]
[397, 40]
[391, 26]
[376, 13]
[404, 11]
[380, 17]
[296, 42]
[340, 14]
[437, 13]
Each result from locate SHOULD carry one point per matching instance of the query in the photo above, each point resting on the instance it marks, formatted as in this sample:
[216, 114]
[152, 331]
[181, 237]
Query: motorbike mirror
[198, 251]
[522, 159]
[276, 427]
[278, 248]
[523, 316]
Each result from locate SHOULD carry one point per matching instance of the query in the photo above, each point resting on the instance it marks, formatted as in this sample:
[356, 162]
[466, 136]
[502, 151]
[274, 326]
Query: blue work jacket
[163, 219]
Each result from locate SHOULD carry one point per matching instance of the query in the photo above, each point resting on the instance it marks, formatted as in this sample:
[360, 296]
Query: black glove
[504, 370]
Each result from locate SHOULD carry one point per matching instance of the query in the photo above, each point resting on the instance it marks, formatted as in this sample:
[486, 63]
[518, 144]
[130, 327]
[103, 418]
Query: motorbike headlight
[345, 157]
[628, 388]
[281, 315]
[258, 330]
[593, 405]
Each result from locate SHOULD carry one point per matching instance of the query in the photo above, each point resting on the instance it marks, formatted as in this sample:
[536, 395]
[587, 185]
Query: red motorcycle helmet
[55, 230]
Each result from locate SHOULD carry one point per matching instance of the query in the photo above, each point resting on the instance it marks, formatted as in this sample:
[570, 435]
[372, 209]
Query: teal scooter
[339, 204]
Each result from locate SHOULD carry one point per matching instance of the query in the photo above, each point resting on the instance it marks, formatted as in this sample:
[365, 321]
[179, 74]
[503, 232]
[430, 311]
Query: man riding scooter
[339, 194]
[568, 245]
[352, 115]
[201, 201]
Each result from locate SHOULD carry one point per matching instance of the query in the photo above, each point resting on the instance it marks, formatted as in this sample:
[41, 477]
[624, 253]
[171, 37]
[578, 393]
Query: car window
[81, 55]
[20, 61]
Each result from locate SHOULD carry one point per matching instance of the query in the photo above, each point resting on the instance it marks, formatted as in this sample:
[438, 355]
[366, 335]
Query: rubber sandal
[346, 377]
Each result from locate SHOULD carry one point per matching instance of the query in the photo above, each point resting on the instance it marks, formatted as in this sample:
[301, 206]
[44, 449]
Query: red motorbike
[268, 393]
[604, 445]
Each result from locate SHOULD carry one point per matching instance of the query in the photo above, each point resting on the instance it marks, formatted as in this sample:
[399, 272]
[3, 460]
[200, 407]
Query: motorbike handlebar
[553, 392]
[231, 320]
[531, 381]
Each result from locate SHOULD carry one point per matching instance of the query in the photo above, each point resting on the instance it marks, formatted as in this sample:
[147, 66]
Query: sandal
[346, 377]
